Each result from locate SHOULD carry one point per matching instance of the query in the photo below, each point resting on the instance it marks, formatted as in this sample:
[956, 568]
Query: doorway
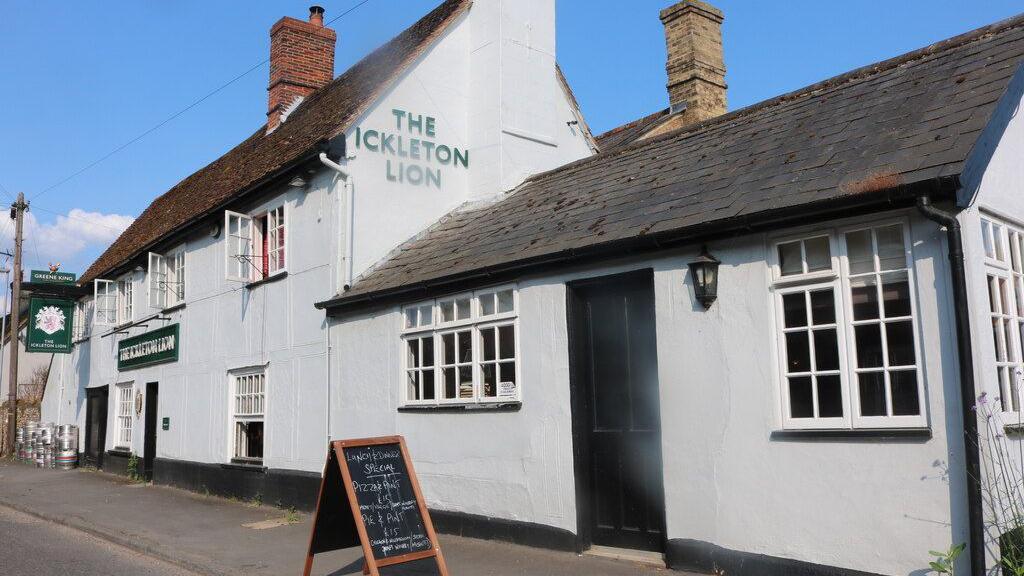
[95, 425]
[149, 441]
[616, 413]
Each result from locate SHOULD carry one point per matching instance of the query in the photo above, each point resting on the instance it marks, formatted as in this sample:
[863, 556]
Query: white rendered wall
[869, 504]
[993, 183]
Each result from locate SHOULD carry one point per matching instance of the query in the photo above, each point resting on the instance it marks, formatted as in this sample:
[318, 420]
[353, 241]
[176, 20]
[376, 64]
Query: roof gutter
[968, 393]
[899, 197]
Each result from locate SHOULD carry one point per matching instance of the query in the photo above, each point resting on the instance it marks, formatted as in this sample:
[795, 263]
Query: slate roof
[895, 125]
[630, 131]
[323, 115]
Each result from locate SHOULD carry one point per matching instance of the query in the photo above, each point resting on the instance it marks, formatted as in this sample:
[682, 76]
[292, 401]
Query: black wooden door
[95, 425]
[616, 413]
[149, 441]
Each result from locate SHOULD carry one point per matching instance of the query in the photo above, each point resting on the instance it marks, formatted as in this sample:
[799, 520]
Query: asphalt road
[33, 547]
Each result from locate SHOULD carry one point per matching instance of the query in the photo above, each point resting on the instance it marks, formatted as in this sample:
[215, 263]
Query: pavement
[214, 536]
[39, 548]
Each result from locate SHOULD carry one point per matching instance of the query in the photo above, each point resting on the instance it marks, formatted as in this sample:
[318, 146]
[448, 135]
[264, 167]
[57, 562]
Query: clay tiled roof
[323, 115]
[876, 134]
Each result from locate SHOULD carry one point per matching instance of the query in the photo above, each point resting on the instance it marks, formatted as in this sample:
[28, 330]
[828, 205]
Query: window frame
[473, 324]
[840, 279]
[124, 389]
[776, 265]
[108, 298]
[234, 265]
[84, 314]
[175, 263]
[233, 418]
[892, 421]
[1011, 271]
[817, 422]
[125, 299]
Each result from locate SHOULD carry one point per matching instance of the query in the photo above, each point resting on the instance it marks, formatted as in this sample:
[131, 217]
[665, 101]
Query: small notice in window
[506, 389]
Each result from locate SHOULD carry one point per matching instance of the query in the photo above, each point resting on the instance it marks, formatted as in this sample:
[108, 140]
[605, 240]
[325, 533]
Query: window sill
[488, 407]
[177, 306]
[880, 434]
[245, 465]
[267, 280]
[122, 452]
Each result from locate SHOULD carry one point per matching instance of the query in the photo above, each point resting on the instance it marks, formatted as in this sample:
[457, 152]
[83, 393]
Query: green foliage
[292, 517]
[133, 469]
[945, 562]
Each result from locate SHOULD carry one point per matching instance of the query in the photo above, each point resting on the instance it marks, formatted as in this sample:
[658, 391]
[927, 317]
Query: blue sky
[80, 79]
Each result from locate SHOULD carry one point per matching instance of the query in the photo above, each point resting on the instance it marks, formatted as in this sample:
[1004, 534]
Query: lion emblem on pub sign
[50, 319]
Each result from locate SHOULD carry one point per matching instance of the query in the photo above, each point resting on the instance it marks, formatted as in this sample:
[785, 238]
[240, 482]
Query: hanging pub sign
[370, 497]
[153, 347]
[49, 325]
[52, 277]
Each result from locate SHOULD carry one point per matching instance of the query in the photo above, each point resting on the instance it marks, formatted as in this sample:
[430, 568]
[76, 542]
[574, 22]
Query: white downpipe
[346, 276]
[349, 218]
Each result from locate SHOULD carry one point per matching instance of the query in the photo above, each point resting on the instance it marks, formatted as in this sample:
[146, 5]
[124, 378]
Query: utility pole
[18, 215]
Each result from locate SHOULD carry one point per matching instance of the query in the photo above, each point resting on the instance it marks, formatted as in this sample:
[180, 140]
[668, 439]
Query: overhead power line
[175, 115]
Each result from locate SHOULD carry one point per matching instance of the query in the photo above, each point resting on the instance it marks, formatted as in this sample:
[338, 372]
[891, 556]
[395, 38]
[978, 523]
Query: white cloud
[67, 237]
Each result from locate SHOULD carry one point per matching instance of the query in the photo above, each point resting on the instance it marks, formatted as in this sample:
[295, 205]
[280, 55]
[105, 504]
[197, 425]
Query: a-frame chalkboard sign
[384, 513]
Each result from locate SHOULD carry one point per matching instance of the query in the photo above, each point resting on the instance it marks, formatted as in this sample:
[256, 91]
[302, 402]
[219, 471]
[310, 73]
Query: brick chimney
[695, 65]
[301, 61]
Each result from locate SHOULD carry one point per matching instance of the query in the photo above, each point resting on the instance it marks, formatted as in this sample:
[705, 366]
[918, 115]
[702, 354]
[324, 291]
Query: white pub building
[751, 341]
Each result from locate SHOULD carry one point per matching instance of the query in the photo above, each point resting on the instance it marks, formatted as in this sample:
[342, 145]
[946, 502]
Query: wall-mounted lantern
[704, 271]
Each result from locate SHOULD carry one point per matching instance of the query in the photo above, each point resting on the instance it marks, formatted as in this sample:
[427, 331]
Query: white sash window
[105, 298]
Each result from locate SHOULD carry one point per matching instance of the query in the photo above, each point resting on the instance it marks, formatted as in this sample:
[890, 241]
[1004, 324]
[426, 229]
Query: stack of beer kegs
[67, 447]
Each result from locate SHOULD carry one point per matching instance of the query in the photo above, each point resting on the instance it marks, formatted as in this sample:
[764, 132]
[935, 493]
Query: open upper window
[166, 284]
[255, 245]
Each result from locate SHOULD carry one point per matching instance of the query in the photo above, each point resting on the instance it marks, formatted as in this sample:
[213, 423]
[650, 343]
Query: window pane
[864, 298]
[801, 399]
[462, 309]
[508, 372]
[426, 315]
[413, 385]
[899, 339]
[826, 350]
[507, 341]
[447, 311]
[904, 393]
[789, 258]
[428, 351]
[859, 252]
[986, 236]
[823, 309]
[413, 359]
[891, 251]
[465, 347]
[487, 349]
[428, 384]
[798, 352]
[448, 348]
[465, 382]
[872, 394]
[794, 309]
[450, 385]
[490, 376]
[506, 301]
[486, 304]
[830, 397]
[997, 238]
[818, 255]
[869, 345]
[896, 295]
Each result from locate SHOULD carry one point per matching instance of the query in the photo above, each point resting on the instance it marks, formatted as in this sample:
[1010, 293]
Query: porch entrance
[616, 413]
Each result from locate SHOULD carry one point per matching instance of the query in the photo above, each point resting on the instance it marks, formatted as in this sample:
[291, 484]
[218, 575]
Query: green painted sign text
[412, 141]
[153, 347]
[47, 277]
